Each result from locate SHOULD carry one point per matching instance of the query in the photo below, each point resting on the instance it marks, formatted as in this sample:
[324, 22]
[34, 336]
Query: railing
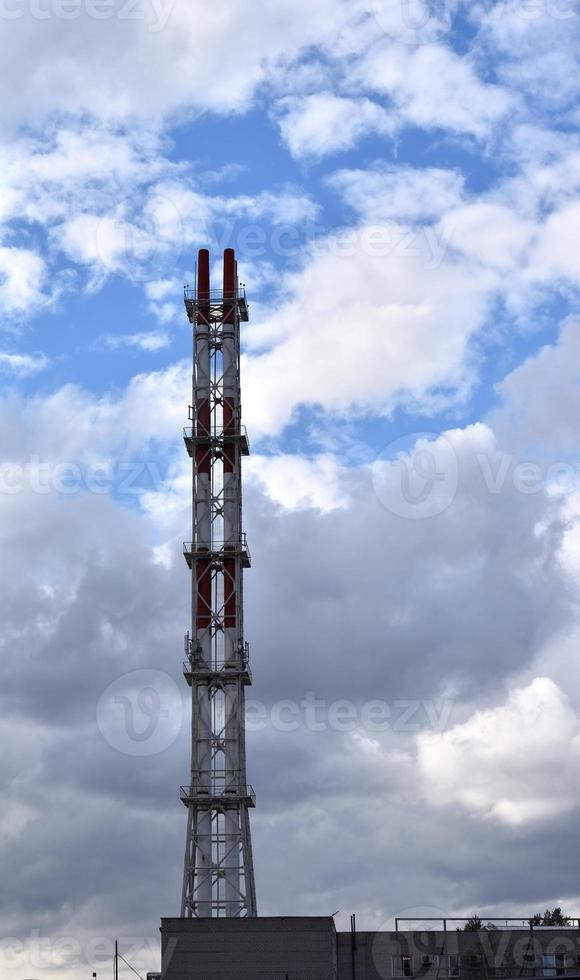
[213, 295]
[218, 786]
[223, 549]
[216, 662]
[231, 431]
[214, 667]
[217, 433]
[217, 666]
[510, 922]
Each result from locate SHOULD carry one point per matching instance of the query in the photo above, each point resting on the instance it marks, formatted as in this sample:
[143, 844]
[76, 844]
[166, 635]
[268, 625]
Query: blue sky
[401, 181]
[294, 136]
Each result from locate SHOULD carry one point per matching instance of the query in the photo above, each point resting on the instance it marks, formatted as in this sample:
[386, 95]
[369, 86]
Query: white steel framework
[218, 878]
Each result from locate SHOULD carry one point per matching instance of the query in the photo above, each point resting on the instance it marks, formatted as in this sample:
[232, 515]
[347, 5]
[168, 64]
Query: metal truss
[218, 877]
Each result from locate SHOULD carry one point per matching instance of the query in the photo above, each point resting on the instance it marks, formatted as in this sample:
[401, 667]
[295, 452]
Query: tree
[474, 924]
[551, 917]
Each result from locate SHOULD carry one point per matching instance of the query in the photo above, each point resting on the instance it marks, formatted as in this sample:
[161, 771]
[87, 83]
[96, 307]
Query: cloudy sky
[401, 180]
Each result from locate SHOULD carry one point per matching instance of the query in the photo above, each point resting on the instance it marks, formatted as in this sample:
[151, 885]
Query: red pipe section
[203, 274]
[229, 276]
[202, 407]
[230, 290]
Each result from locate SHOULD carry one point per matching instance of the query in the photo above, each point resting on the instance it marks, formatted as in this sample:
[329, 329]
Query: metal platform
[197, 435]
[193, 671]
[218, 798]
[211, 303]
[217, 551]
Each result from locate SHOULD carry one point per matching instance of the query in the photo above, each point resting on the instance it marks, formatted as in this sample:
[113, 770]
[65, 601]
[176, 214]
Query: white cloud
[389, 193]
[414, 22]
[102, 242]
[396, 283]
[71, 425]
[490, 233]
[164, 297]
[22, 281]
[23, 364]
[316, 125]
[516, 763]
[110, 58]
[183, 213]
[373, 321]
[81, 166]
[431, 86]
[427, 85]
[548, 172]
[556, 255]
[535, 49]
[115, 203]
[525, 234]
[143, 238]
[151, 342]
[161, 289]
[296, 482]
[541, 398]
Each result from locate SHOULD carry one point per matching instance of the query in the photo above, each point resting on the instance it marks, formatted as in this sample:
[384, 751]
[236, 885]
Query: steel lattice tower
[218, 877]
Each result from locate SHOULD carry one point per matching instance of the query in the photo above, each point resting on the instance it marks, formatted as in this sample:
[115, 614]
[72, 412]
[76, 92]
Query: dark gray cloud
[366, 601]
[356, 603]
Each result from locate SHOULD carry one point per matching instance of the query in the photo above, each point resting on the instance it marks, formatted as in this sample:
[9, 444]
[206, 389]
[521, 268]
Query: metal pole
[116, 959]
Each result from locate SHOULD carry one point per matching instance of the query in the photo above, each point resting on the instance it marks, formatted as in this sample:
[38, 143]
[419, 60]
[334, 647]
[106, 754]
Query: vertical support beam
[202, 585]
[232, 569]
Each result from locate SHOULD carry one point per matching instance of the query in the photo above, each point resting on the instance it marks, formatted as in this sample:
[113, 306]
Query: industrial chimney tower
[218, 878]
